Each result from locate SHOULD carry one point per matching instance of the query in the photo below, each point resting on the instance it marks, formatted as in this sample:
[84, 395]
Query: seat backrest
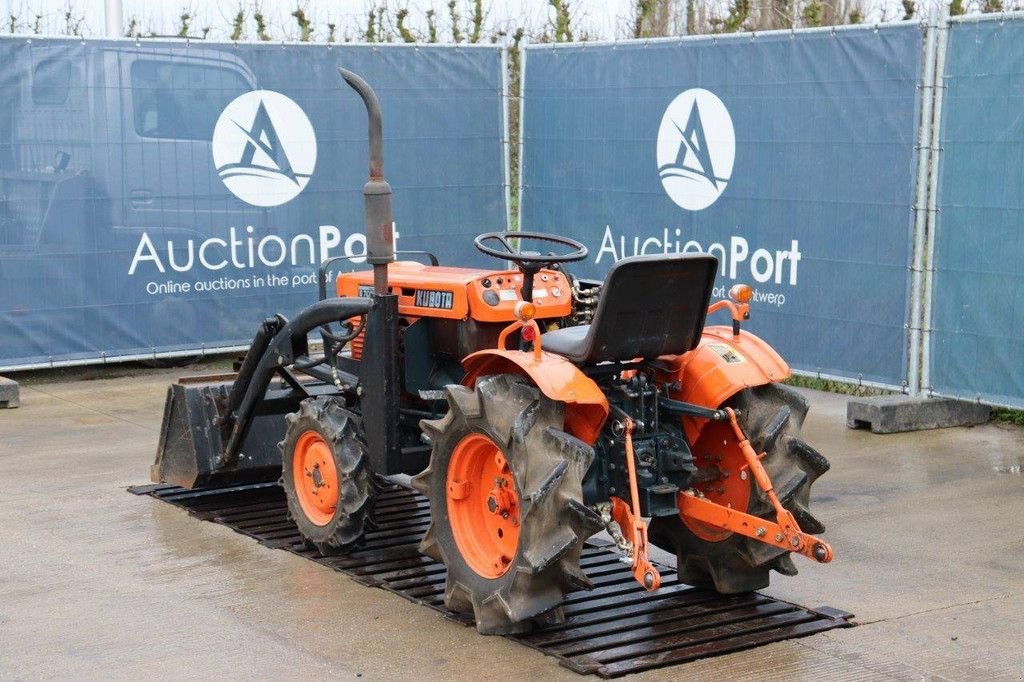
[651, 306]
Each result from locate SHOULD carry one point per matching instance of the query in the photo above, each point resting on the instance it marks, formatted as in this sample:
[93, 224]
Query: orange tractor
[534, 409]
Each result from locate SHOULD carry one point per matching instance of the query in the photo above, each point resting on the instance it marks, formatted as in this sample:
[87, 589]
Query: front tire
[326, 475]
[506, 504]
[772, 417]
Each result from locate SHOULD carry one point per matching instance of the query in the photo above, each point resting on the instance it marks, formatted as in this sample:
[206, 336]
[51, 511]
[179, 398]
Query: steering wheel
[529, 262]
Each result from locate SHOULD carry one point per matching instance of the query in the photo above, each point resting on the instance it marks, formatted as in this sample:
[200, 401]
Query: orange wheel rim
[716, 448]
[483, 505]
[315, 478]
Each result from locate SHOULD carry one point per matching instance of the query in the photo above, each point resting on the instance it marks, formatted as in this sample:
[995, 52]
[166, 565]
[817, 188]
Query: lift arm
[633, 526]
[784, 533]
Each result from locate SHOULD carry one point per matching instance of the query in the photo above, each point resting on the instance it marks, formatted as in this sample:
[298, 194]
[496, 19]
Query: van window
[51, 81]
[181, 100]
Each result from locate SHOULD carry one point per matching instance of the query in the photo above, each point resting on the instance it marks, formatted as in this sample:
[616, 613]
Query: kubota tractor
[535, 409]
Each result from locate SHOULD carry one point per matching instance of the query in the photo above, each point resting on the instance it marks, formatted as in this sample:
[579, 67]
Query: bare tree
[238, 25]
[813, 13]
[261, 23]
[469, 21]
[735, 20]
[185, 21]
[370, 34]
[562, 21]
[477, 21]
[431, 27]
[304, 24]
[403, 31]
[72, 22]
[453, 16]
[652, 18]
[772, 14]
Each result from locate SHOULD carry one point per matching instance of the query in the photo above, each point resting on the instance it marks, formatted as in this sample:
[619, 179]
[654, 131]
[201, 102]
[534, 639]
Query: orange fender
[586, 407]
[721, 366]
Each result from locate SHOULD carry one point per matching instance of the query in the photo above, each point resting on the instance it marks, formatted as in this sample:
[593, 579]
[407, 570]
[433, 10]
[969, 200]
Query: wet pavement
[97, 583]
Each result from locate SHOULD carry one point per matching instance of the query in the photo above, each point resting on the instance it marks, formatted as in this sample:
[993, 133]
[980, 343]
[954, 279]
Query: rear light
[741, 293]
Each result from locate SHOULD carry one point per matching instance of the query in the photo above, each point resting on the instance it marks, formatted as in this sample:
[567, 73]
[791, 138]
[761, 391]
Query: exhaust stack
[380, 240]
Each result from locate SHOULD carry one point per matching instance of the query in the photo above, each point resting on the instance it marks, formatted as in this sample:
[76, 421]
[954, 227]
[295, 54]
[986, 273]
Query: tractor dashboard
[463, 293]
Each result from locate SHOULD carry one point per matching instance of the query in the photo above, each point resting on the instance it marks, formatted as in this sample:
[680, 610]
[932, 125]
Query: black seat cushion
[567, 341]
[649, 306]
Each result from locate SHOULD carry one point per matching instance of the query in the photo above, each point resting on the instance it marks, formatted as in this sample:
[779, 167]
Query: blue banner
[789, 156]
[977, 335]
[162, 196]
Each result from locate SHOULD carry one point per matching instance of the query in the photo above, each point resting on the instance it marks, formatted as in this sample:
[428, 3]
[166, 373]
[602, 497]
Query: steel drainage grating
[612, 630]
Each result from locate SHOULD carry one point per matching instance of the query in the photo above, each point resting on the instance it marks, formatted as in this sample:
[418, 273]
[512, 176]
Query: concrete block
[897, 413]
[8, 393]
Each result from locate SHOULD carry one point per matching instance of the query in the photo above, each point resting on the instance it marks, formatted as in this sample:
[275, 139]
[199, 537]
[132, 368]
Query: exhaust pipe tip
[375, 120]
[379, 220]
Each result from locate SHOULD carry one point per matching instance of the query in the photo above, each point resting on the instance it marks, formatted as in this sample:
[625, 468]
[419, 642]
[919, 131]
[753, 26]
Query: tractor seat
[649, 306]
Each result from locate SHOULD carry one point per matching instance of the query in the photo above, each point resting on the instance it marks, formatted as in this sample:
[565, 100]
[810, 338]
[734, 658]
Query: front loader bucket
[191, 441]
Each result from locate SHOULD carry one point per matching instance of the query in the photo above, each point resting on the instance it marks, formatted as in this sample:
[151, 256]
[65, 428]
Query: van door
[170, 105]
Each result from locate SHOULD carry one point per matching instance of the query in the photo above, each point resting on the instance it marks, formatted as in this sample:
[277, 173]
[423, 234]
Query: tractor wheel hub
[499, 501]
[315, 477]
[483, 505]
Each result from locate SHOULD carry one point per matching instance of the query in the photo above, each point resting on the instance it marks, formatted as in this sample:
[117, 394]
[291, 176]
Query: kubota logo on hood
[264, 148]
[696, 149]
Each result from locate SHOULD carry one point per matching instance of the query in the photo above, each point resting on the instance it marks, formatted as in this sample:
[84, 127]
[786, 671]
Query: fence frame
[944, 25]
[918, 240]
[931, 87]
[203, 349]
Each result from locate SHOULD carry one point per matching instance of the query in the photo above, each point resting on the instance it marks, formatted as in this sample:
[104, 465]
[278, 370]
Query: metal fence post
[933, 199]
[927, 89]
[522, 136]
[506, 140]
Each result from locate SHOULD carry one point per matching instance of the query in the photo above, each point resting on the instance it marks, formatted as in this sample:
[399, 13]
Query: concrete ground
[97, 583]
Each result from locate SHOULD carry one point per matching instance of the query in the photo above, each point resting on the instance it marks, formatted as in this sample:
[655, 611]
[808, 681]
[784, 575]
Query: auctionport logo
[696, 149]
[264, 148]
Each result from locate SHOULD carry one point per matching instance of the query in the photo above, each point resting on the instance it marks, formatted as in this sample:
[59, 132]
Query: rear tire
[326, 475]
[502, 466]
[772, 417]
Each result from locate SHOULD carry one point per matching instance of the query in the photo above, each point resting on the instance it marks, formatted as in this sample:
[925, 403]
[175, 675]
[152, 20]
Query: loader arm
[277, 344]
[209, 424]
